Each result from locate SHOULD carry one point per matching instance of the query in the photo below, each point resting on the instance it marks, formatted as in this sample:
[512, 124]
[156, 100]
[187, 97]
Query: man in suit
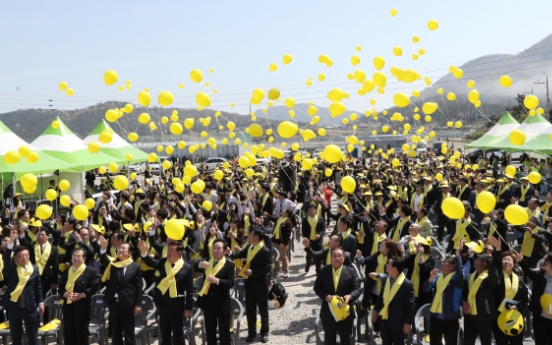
[465, 229]
[395, 305]
[349, 240]
[313, 229]
[123, 292]
[173, 293]
[267, 203]
[401, 224]
[45, 257]
[214, 296]
[525, 192]
[77, 284]
[257, 266]
[24, 293]
[324, 255]
[337, 280]
[463, 190]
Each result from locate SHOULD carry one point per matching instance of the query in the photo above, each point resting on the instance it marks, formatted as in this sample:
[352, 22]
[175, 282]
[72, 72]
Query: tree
[518, 111]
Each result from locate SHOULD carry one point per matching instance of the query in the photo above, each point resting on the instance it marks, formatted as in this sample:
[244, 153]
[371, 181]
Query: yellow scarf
[118, 264]
[247, 224]
[279, 223]
[164, 251]
[370, 205]
[265, 198]
[360, 237]
[382, 261]
[427, 189]
[528, 243]
[169, 282]
[389, 294]
[24, 277]
[1, 268]
[377, 240]
[113, 252]
[319, 210]
[250, 256]
[535, 213]
[210, 245]
[441, 285]
[492, 229]
[420, 202]
[346, 233]
[416, 274]
[312, 223]
[72, 278]
[510, 287]
[398, 229]
[461, 233]
[422, 221]
[474, 285]
[137, 208]
[500, 192]
[544, 208]
[42, 259]
[211, 271]
[524, 190]
[403, 193]
[462, 189]
[336, 274]
[233, 239]
[329, 257]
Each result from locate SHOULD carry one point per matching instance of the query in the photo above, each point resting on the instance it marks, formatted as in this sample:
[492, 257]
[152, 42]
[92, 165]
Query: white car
[211, 163]
[156, 167]
[138, 168]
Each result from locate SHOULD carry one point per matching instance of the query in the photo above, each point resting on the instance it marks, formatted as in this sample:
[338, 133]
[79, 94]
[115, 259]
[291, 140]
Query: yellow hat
[427, 241]
[345, 207]
[511, 322]
[476, 246]
[146, 226]
[35, 222]
[99, 229]
[130, 226]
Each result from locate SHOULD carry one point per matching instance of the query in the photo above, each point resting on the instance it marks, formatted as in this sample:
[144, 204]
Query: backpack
[277, 292]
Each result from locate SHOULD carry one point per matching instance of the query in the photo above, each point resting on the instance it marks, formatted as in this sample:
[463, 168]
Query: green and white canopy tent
[118, 147]
[64, 145]
[499, 131]
[12, 172]
[532, 127]
[541, 143]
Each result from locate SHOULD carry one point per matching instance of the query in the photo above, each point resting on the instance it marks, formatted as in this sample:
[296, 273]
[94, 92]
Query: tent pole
[13, 183]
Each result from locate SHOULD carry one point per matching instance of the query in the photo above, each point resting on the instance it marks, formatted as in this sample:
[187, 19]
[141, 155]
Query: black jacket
[485, 297]
[348, 284]
[320, 229]
[402, 307]
[127, 286]
[184, 282]
[539, 285]
[87, 283]
[31, 295]
[322, 255]
[260, 266]
[218, 296]
[50, 273]
[522, 295]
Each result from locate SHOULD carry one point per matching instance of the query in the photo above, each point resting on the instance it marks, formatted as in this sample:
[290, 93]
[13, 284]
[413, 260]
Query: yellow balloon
[65, 200]
[102, 170]
[207, 205]
[144, 98]
[152, 157]
[80, 212]
[531, 102]
[380, 79]
[174, 229]
[113, 167]
[273, 67]
[401, 99]
[273, 94]
[511, 170]
[486, 202]
[516, 215]
[196, 76]
[55, 124]
[290, 102]
[287, 59]
[43, 212]
[129, 108]
[517, 137]
[111, 115]
[189, 123]
[198, 187]
[397, 51]
[165, 98]
[348, 184]
[335, 95]
[51, 194]
[473, 96]
[534, 177]
[322, 132]
[144, 118]
[89, 203]
[332, 153]
[203, 99]
[429, 107]
[257, 96]
[328, 172]
[110, 77]
[64, 185]
[105, 137]
[32, 157]
[453, 208]
[451, 96]
[190, 170]
[432, 25]
[505, 81]
[120, 182]
[12, 157]
[133, 137]
[63, 85]
[287, 129]
[337, 109]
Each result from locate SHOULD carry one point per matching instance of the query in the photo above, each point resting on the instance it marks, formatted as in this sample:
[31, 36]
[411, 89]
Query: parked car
[156, 167]
[138, 168]
[211, 163]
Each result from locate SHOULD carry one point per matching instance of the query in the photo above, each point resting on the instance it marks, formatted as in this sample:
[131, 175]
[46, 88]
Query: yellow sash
[370, 205]
[23, 279]
[535, 213]
[474, 285]
[422, 221]
[312, 223]
[113, 252]
[440, 286]
[492, 229]
[544, 208]
[265, 198]
[524, 190]
[528, 243]
[360, 237]
[329, 257]
[416, 274]
[389, 294]
[462, 190]
[1, 268]
[118, 264]
[169, 282]
[247, 224]
[427, 189]
[398, 229]
[500, 192]
[377, 240]
[210, 242]
[279, 223]
[420, 202]
[72, 278]
[250, 256]
[336, 274]
[319, 210]
[382, 261]
[461, 233]
[510, 288]
[346, 233]
[42, 259]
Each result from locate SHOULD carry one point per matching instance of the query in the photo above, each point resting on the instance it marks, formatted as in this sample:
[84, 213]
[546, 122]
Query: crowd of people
[392, 229]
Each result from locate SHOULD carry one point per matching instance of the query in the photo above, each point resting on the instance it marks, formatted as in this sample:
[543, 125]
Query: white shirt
[416, 201]
[280, 206]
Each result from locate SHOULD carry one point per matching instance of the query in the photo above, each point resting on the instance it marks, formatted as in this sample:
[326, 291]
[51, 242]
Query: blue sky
[155, 44]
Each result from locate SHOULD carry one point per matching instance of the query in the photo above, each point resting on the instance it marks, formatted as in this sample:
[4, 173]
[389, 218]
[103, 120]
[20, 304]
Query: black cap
[282, 193]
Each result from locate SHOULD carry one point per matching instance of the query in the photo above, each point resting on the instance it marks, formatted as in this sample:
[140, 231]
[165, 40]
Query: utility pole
[547, 90]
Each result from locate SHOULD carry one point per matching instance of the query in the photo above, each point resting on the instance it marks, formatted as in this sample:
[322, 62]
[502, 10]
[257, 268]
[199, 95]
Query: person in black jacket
[498, 226]
[45, 257]
[542, 284]
[395, 306]
[123, 292]
[76, 295]
[257, 266]
[315, 234]
[349, 239]
[478, 301]
[347, 287]
[511, 287]
[22, 306]
[173, 292]
[214, 299]
[324, 255]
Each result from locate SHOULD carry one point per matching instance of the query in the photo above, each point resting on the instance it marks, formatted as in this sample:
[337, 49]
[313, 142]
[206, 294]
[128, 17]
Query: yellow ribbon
[169, 282]
[42, 258]
[442, 283]
[389, 294]
[72, 279]
[474, 285]
[118, 264]
[250, 255]
[23, 279]
[510, 288]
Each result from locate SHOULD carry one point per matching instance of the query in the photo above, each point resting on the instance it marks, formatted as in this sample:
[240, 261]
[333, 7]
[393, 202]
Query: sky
[156, 44]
